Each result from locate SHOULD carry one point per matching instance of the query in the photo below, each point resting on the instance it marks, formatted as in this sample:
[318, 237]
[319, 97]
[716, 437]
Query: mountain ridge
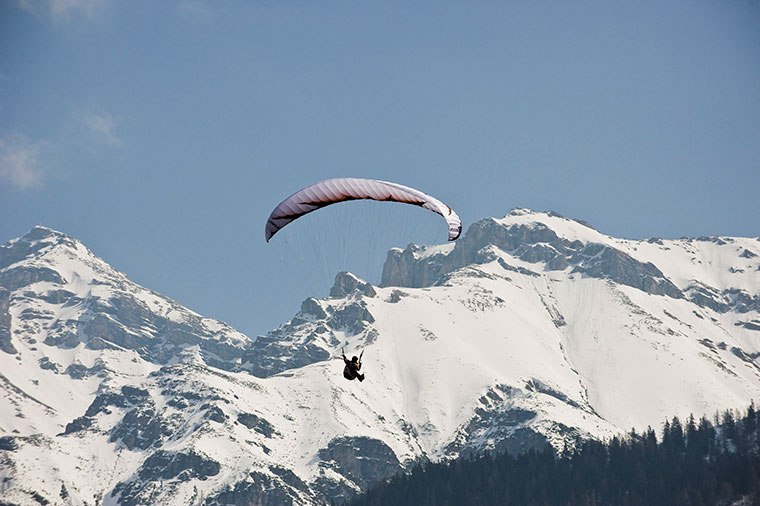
[531, 330]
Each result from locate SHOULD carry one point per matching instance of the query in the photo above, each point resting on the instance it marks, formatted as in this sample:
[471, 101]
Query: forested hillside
[693, 463]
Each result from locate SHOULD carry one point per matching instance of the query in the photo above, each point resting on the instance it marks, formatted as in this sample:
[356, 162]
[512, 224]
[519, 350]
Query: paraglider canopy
[336, 190]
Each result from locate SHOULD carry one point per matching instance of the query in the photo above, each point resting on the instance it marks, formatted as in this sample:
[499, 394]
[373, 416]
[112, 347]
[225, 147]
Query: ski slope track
[530, 330]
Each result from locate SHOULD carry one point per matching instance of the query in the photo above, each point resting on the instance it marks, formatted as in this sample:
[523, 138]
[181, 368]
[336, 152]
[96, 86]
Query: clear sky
[162, 134]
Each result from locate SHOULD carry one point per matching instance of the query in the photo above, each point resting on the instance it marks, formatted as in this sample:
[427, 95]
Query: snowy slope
[530, 330]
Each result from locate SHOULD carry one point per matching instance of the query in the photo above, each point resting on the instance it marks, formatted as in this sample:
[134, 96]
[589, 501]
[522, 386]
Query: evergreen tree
[676, 435]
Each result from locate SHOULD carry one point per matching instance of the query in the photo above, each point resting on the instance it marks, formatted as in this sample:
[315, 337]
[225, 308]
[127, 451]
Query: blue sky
[162, 133]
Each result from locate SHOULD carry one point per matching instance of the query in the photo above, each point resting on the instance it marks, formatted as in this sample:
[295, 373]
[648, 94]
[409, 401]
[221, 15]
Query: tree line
[693, 463]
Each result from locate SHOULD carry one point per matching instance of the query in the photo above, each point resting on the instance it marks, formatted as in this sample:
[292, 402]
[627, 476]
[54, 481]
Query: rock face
[530, 331]
[536, 244]
[5, 322]
[347, 284]
[363, 460]
[164, 466]
[265, 489]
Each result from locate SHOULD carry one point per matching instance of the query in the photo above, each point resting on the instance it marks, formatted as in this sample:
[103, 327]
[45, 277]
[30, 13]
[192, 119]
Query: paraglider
[332, 191]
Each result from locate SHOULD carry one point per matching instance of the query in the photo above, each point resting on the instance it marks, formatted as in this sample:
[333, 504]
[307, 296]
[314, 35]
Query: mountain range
[531, 330]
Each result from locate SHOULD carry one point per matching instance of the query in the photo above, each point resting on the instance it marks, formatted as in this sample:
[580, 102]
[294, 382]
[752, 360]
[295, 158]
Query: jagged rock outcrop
[5, 322]
[347, 284]
[535, 243]
[401, 268]
[163, 466]
[603, 262]
[364, 461]
[264, 489]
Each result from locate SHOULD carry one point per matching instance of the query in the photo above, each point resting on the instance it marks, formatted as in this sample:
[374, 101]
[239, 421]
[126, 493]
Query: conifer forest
[692, 463]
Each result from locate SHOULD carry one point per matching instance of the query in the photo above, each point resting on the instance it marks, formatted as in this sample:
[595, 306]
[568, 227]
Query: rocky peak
[64, 296]
[347, 284]
[30, 244]
[40, 232]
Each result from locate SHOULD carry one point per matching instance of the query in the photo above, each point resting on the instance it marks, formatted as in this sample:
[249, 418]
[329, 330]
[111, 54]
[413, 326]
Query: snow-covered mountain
[530, 330]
